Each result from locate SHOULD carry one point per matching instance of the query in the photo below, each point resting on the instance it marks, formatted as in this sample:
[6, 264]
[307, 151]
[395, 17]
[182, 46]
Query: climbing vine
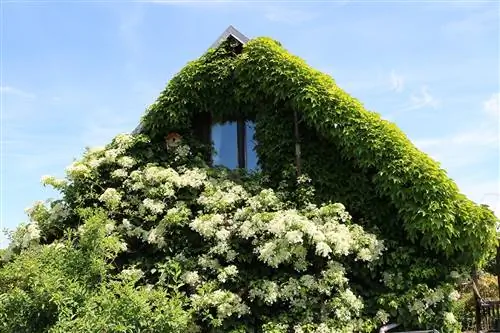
[232, 251]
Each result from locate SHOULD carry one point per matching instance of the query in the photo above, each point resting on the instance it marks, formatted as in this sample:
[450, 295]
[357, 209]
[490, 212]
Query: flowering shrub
[165, 244]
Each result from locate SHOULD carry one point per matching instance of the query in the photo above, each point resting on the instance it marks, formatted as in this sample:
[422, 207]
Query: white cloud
[492, 105]
[397, 82]
[8, 90]
[422, 99]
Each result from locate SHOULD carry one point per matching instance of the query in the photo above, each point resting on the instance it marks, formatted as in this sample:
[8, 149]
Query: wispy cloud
[422, 99]
[397, 82]
[492, 105]
[8, 90]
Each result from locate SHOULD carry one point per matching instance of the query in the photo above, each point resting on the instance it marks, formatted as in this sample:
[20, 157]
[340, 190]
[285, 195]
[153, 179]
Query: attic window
[234, 145]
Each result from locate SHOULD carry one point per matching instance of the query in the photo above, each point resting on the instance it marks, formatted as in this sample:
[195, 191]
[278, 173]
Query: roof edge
[230, 31]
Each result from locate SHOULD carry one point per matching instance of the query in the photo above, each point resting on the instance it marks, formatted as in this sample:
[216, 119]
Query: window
[224, 137]
[234, 145]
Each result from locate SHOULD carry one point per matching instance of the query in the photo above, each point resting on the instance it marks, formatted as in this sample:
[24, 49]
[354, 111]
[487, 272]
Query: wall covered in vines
[352, 155]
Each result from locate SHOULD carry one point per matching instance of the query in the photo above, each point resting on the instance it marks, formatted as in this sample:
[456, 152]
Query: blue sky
[75, 74]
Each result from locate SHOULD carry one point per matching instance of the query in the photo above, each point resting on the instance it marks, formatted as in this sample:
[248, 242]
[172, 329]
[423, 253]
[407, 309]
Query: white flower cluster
[153, 206]
[155, 237]
[31, 234]
[126, 162]
[54, 182]
[191, 278]
[182, 152]
[131, 274]
[21, 238]
[78, 170]
[161, 181]
[124, 141]
[225, 303]
[119, 174]
[111, 197]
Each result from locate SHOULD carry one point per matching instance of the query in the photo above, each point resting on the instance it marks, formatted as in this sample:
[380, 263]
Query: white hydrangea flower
[94, 163]
[322, 249]
[155, 238]
[435, 297]
[193, 178]
[267, 291]
[182, 152]
[31, 234]
[111, 197]
[132, 273]
[449, 318]
[223, 234]
[192, 278]
[417, 307]
[294, 236]
[119, 173]
[111, 155]
[77, 170]
[123, 246]
[154, 206]
[382, 316]
[53, 181]
[208, 262]
[225, 302]
[124, 140]
[227, 272]
[207, 225]
[126, 162]
[323, 328]
[127, 224]
[454, 295]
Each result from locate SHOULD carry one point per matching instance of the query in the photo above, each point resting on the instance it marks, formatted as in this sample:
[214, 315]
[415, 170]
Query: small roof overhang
[230, 31]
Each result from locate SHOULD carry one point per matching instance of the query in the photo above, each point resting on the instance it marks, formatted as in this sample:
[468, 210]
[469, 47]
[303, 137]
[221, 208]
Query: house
[265, 108]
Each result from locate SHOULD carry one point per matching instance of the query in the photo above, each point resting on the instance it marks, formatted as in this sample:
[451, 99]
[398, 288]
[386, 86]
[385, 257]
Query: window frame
[205, 134]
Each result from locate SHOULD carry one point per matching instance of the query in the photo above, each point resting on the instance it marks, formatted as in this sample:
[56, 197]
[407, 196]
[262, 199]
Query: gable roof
[230, 32]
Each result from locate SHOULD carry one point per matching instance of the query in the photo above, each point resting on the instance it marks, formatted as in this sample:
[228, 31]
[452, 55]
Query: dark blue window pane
[250, 146]
[225, 141]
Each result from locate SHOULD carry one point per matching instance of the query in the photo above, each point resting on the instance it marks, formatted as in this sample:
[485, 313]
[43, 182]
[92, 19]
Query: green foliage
[152, 240]
[170, 246]
[352, 155]
[69, 286]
